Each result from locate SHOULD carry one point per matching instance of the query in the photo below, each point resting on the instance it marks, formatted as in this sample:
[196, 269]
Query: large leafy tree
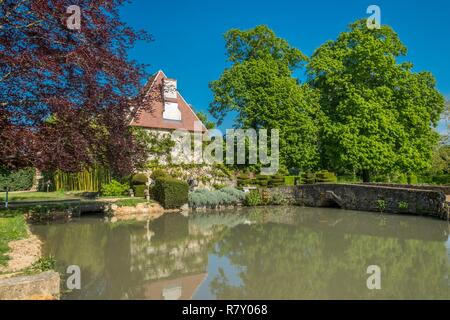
[379, 112]
[260, 88]
[64, 93]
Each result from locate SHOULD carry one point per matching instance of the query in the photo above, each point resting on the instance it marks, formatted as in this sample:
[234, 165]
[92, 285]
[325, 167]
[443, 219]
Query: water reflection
[263, 253]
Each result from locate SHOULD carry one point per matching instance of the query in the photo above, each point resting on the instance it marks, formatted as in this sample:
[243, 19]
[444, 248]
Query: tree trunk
[366, 175]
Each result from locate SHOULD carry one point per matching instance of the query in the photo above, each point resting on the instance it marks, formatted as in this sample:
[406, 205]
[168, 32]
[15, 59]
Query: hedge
[115, 188]
[325, 177]
[140, 179]
[289, 180]
[308, 177]
[17, 180]
[171, 193]
[276, 181]
[213, 198]
[139, 190]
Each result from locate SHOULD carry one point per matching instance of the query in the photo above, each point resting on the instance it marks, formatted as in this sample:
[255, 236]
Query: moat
[254, 253]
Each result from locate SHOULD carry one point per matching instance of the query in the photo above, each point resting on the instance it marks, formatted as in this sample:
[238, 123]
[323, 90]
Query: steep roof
[150, 108]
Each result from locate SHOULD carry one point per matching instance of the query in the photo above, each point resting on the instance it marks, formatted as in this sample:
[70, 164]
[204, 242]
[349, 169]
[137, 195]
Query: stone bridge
[375, 198]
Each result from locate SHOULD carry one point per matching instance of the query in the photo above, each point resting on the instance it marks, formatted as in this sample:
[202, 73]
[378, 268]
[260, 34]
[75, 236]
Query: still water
[262, 253]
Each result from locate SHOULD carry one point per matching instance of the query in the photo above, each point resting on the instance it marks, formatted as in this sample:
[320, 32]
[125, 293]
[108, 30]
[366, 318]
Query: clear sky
[189, 43]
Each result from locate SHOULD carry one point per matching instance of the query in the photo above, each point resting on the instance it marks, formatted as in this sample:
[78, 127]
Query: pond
[255, 253]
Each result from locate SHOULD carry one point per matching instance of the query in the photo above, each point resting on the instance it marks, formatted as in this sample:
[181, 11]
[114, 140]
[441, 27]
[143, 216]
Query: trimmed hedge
[325, 177]
[139, 190]
[308, 177]
[159, 173]
[171, 193]
[276, 181]
[17, 180]
[289, 180]
[140, 179]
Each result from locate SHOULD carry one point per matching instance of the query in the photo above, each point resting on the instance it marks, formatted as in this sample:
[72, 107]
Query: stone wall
[444, 189]
[368, 198]
[43, 286]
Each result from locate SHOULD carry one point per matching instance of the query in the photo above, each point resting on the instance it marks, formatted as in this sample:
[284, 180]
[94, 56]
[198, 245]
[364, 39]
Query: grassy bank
[34, 196]
[58, 195]
[12, 227]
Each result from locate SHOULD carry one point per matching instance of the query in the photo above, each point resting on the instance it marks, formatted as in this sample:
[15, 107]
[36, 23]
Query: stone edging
[42, 286]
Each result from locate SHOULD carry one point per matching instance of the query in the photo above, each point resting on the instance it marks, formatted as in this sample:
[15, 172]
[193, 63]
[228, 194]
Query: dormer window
[171, 111]
[170, 94]
[169, 89]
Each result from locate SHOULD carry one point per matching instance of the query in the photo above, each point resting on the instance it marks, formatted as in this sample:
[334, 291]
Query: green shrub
[289, 180]
[159, 173]
[278, 198]
[325, 176]
[213, 198]
[397, 178]
[247, 182]
[412, 179]
[139, 179]
[115, 188]
[243, 176]
[442, 179]
[381, 205]
[349, 178]
[308, 177]
[219, 186]
[253, 198]
[17, 180]
[263, 183]
[43, 264]
[402, 205]
[171, 193]
[139, 190]
[235, 193]
[276, 181]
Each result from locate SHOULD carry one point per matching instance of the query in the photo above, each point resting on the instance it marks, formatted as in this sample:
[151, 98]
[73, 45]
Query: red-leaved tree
[65, 94]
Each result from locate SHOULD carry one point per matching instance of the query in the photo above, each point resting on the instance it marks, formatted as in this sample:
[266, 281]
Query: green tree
[204, 118]
[446, 119]
[379, 114]
[260, 88]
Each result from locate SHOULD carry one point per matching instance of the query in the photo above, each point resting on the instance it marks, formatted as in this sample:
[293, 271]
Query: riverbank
[13, 230]
[24, 273]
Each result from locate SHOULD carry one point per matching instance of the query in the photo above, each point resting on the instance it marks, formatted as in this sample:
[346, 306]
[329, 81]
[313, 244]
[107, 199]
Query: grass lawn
[131, 202]
[12, 227]
[21, 196]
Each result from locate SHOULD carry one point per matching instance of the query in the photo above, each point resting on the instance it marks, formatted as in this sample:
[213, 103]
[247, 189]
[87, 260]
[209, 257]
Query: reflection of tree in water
[177, 253]
[117, 260]
[280, 253]
[301, 261]
[172, 250]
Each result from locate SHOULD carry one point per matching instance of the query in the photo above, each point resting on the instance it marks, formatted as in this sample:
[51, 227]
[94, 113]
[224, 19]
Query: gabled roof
[149, 111]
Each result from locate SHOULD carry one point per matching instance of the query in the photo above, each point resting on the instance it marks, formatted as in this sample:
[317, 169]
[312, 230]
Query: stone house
[162, 110]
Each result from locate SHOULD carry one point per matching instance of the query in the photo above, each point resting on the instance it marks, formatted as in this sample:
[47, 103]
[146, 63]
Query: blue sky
[189, 42]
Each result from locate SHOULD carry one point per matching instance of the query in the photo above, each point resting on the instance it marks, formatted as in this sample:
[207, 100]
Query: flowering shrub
[213, 198]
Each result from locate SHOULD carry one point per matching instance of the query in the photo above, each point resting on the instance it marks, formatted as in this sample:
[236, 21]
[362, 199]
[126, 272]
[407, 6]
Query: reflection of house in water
[181, 288]
[172, 263]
